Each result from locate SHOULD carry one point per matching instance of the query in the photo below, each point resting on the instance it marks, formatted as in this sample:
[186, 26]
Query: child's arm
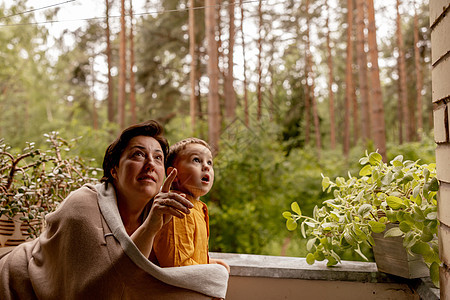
[220, 262]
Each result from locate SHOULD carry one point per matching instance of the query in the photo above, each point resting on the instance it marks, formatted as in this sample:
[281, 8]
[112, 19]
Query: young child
[184, 241]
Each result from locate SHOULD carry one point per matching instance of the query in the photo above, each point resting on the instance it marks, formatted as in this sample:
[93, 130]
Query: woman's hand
[166, 204]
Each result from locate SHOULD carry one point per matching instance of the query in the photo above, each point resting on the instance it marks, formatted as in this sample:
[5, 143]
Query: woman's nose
[150, 163]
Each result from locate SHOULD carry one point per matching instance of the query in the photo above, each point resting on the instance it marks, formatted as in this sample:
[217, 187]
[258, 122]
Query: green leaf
[361, 254]
[434, 185]
[393, 232]
[394, 202]
[310, 259]
[376, 226]
[291, 225]
[331, 261]
[375, 158]
[295, 208]
[421, 248]
[349, 239]
[325, 183]
[366, 170]
[391, 216]
[426, 174]
[328, 225]
[434, 273]
[432, 216]
[416, 192]
[287, 215]
[302, 227]
[397, 163]
[364, 209]
[310, 244]
[319, 256]
[387, 179]
[404, 226]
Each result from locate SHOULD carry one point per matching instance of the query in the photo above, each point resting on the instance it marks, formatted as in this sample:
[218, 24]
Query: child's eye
[196, 159]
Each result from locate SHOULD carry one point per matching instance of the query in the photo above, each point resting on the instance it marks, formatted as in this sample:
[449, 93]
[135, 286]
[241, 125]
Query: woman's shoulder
[82, 200]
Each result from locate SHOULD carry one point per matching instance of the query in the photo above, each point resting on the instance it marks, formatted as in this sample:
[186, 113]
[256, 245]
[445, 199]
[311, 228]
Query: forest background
[284, 91]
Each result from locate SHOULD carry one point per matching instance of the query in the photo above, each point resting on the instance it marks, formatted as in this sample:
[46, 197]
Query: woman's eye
[159, 157]
[139, 154]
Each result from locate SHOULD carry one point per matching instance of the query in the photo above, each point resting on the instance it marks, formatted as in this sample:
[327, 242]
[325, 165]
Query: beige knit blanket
[85, 253]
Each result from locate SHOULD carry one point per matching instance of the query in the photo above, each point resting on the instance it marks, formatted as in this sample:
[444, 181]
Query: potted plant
[33, 183]
[397, 199]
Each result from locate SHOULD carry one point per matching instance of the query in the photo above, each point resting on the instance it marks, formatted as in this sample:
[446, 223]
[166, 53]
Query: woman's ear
[114, 173]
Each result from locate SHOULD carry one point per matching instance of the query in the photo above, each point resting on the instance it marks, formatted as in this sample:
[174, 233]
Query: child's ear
[169, 169]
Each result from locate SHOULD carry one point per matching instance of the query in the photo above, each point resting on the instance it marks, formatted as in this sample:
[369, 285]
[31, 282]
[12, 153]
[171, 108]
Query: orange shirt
[184, 242]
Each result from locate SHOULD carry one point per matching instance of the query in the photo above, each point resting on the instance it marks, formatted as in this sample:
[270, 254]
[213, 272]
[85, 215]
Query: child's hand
[220, 262]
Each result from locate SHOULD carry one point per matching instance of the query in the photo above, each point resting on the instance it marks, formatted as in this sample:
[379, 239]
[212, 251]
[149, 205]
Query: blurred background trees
[283, 90]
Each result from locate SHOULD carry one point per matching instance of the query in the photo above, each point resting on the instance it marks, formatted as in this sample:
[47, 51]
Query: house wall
[440, 75]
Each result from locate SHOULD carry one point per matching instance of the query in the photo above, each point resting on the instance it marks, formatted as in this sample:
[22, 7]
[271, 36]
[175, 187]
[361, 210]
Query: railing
[276, 277]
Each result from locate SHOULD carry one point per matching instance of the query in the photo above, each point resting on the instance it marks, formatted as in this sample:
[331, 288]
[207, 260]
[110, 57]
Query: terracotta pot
[14, 231]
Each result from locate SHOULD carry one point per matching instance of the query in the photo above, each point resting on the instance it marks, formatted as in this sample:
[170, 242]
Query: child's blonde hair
[176, 148]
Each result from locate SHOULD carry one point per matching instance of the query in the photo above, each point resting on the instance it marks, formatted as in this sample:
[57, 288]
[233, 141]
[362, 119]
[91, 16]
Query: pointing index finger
[168, 182]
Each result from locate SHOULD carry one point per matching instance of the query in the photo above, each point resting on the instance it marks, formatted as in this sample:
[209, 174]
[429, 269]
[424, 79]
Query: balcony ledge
[295, 269]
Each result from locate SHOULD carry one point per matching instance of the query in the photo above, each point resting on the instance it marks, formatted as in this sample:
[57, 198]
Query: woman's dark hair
[114, 151]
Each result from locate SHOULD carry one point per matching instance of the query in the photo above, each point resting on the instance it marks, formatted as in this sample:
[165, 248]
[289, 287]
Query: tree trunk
[94, 101]
[132, 81]
[310, 84]
[330, 84]
[110, 99]
[362, 72]
[315, 118]
[192, 75]
[230, 95]
[308, 90]
[122, 68]
[377, 119]
[259, 87]
[348, 78]
[419, 81]
[244, 65]
[402, 78]
[213, 74]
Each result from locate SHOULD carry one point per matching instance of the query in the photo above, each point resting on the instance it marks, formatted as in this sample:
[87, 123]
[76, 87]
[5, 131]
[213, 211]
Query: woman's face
[140, 173]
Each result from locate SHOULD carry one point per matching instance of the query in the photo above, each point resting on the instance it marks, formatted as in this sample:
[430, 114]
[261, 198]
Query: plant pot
[14, 231]
[392, 258]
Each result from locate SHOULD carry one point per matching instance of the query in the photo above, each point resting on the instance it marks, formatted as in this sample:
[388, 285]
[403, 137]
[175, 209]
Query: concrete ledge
[296, 268]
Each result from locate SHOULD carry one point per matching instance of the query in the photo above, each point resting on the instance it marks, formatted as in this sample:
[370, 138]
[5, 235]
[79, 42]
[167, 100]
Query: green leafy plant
[401, 192]
[34, 182]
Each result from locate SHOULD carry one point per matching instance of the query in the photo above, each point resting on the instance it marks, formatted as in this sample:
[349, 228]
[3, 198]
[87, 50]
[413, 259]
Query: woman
[98, 241]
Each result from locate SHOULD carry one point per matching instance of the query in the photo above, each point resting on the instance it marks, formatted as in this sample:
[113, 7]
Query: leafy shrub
[402, 192]
[33, 182]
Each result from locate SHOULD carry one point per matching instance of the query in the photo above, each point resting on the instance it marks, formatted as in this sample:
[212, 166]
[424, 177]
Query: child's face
[195, 170]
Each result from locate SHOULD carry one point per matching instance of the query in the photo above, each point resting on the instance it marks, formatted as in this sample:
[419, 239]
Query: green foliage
[254, 180]
[33, 182]
[401, 192]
